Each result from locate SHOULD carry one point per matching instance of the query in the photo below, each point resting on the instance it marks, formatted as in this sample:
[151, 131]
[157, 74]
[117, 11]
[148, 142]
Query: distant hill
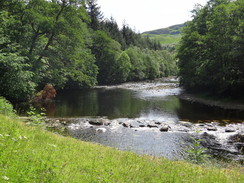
[168, 37]
[172, 30]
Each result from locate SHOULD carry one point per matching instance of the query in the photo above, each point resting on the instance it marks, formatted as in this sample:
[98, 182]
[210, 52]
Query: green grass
[30, 154]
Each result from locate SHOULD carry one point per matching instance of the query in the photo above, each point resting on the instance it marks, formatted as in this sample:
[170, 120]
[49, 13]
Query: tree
[112, 28]
[210, 56]
[49, 42]
[107, 52]
[66, 43]
[58, 43]
[122, 68]
[95, 14]
[15, 77]
[138, 66]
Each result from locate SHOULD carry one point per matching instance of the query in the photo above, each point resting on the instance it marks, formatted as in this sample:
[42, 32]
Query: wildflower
[5, 178]
[14, 139]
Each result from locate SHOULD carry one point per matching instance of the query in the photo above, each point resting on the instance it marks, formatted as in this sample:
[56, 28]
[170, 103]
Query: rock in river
[151, 125]
[158, 123]
[125, 124]
[96, 122]
[164, 129]
[229, 130]
[212, 128]
[101, 130]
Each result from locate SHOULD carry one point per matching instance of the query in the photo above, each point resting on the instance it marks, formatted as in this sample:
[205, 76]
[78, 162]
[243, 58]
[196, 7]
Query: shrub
[6, 107]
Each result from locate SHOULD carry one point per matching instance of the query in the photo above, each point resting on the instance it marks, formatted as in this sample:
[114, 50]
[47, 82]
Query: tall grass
[30, 154]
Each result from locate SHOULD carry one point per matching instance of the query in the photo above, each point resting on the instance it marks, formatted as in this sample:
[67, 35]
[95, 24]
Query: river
[129, 109]
[136, 100]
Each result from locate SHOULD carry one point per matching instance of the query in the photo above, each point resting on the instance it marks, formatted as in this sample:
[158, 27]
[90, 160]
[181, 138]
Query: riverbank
[233, 105]
[30, 154]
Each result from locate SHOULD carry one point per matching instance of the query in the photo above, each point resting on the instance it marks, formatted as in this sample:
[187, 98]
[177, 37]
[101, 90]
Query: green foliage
[44, 42]
[35, 116]
[29, 154]
[122, 68]
[58, 45]
[112, 28]
[66, 43]
[137, 62]
[95, 14]
[15, 77]
[128, 37]
[106, 51]
[6, 108]
[150, 64]
[211, 50]
[15, 80]
[195, 153]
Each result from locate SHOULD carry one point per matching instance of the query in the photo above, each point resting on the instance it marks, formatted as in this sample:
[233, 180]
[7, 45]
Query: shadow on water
[195, 112]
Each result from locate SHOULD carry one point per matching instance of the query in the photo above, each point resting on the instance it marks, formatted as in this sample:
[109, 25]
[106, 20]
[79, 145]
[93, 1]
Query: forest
[69, 44]
[211, 51]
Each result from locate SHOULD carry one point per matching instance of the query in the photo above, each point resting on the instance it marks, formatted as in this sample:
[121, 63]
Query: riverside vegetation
[69, 44]
[31, 154]
[211, 50]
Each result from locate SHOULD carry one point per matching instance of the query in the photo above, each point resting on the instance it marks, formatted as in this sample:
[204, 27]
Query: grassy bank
[30, 154]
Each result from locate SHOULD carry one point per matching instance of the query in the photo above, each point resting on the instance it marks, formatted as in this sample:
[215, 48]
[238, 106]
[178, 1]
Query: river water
[144, 102]
[136, 100]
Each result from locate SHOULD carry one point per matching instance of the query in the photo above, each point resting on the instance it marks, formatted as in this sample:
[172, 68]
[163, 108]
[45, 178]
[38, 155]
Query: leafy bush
[196, 153]
[5, 107]
[36, 117]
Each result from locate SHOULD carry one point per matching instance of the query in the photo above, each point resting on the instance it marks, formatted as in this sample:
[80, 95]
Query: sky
[146, 15]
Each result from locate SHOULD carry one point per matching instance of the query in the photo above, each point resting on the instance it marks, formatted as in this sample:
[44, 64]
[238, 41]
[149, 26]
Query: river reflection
[114, 103]
[124, 103]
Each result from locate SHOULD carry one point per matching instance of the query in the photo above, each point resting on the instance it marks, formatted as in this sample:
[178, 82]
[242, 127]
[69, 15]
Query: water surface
[126, 103]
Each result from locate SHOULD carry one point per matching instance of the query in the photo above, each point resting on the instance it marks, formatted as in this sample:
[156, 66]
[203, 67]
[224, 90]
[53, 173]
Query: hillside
[169, 36]
[172, 30]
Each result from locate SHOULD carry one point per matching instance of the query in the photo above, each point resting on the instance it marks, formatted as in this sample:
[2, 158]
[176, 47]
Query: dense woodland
[69, 44]
[211, 52]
